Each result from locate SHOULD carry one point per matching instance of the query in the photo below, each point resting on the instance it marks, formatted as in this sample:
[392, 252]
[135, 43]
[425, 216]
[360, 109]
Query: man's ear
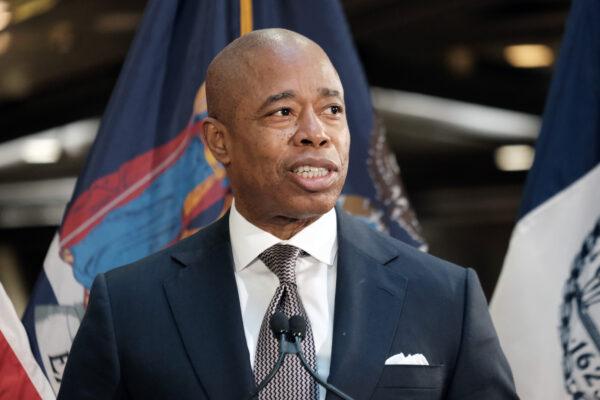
[214, 135]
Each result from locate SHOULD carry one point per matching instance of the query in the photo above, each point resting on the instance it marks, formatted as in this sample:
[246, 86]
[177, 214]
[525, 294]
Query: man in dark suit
[385, 321]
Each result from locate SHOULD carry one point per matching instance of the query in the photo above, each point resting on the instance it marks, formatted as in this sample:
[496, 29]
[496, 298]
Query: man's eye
[284, 112]
[335, 109]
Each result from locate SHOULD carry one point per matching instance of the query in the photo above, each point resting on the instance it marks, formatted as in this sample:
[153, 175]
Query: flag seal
[580, 319]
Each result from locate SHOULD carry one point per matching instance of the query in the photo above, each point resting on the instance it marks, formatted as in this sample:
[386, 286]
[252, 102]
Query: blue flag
[547, 302]
[149, 181]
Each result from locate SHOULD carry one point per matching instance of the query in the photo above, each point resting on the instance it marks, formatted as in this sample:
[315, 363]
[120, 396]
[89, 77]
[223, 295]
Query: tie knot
[281, 260]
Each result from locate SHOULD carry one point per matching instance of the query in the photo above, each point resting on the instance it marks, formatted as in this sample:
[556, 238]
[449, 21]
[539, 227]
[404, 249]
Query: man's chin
[310, 206]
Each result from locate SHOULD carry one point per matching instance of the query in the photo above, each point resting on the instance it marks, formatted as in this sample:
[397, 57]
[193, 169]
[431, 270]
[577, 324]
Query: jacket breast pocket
[417, 382]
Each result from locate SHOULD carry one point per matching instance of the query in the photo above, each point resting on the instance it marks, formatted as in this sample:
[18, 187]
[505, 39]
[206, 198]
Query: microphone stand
[312, 373]
[269, 376]
[290, 343]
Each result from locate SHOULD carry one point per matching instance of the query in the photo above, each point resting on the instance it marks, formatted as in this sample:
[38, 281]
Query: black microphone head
[279, 324]
[298, 326]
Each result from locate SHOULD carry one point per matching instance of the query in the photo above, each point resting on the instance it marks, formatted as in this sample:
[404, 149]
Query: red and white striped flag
[20, 375]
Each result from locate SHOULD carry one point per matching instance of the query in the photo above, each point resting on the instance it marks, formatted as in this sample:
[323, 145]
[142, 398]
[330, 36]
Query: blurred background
[460, 86]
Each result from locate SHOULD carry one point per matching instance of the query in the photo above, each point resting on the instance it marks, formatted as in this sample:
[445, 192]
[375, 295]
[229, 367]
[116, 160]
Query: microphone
[279, 326]
[297, 333]
[297, 328]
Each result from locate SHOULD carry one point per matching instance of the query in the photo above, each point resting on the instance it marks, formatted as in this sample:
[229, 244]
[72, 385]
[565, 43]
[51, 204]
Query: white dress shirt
[315, 278]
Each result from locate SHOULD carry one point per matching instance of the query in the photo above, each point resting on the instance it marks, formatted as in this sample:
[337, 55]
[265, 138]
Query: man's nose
[311, 131]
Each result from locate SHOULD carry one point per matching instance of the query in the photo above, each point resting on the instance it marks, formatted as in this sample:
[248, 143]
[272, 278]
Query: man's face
[288, 142]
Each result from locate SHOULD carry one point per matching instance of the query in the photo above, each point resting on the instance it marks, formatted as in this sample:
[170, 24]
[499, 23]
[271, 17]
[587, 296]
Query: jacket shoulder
[155, 268]
[406, 259]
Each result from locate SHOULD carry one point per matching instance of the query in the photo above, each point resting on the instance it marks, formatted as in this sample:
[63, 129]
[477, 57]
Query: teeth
[306, 171]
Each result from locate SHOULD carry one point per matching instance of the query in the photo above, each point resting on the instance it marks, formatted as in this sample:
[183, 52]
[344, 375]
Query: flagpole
[245, 16]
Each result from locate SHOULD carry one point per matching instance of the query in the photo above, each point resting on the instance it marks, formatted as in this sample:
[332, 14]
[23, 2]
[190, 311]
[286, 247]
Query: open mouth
[306, 171]
[314, 174]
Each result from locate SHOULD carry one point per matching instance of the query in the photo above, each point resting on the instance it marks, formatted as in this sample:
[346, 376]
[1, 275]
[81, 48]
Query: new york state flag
[149, 181]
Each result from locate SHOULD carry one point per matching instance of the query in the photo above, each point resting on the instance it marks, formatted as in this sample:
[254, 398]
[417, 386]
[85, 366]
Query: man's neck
[279, 226]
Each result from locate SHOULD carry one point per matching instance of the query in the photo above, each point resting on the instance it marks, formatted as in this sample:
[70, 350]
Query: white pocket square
[411, 359]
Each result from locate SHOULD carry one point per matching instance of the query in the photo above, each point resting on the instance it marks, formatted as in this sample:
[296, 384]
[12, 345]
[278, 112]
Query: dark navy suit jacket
[170, 326]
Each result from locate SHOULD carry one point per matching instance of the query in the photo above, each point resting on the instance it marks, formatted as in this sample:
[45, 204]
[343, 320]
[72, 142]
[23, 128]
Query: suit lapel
[205, 304]
[368, 303]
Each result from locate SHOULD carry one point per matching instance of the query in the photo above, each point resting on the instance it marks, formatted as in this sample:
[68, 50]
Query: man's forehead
[274, 70]
[292, 82]
[294, 56]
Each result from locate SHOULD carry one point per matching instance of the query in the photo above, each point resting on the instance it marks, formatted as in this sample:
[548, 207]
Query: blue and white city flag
[547, 302]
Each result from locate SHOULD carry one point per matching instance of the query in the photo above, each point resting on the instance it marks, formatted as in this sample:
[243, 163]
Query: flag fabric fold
[546, 306]
[20, 376]
[149, 181]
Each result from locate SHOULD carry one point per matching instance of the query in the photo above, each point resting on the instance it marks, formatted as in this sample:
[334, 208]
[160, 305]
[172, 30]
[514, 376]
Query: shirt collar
[318, 239]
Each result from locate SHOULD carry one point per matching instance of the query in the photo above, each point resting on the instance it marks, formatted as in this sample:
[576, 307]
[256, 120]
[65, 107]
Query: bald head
[230, 70]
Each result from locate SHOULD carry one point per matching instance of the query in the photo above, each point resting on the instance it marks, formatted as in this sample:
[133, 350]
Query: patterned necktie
[291, 381]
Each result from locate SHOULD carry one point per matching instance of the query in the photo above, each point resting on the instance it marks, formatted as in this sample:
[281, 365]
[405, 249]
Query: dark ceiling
[454, 49]
[62, 58]
[62, 61]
